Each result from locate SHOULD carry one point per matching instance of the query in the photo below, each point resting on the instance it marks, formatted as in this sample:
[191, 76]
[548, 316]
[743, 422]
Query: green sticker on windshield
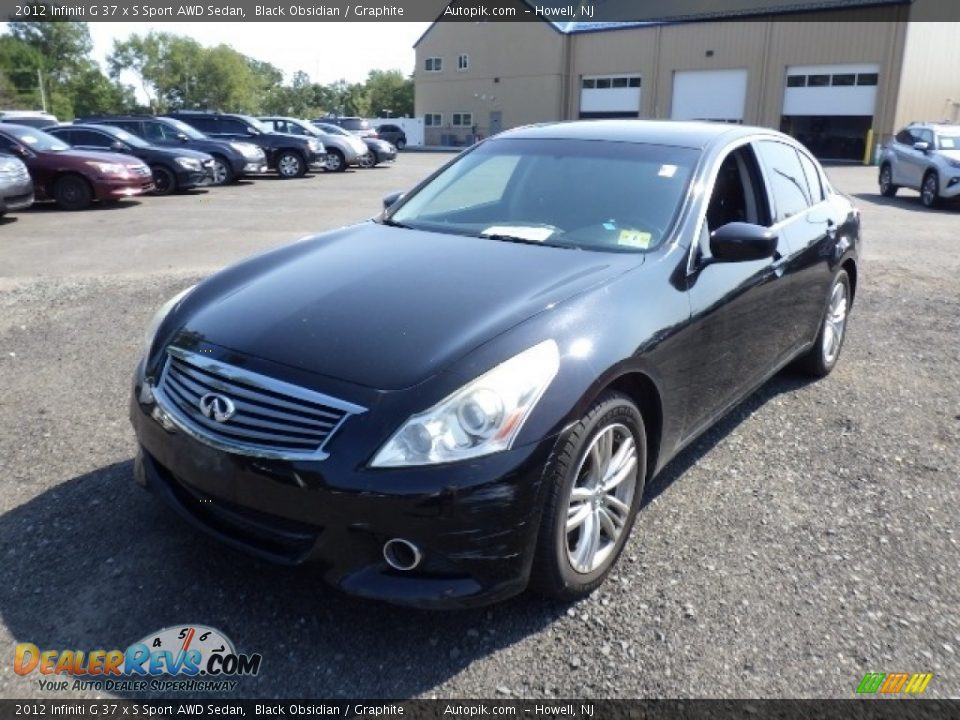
[634, 238]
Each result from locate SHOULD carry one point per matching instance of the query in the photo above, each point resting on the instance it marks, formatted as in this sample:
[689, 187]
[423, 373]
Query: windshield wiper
[393, 223]
[503, 237]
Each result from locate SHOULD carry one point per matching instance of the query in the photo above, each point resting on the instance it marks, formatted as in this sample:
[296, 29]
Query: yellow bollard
[868, 151]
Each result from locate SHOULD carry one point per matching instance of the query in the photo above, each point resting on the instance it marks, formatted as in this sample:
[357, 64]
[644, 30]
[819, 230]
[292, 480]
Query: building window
[589, 83]
[634, 82]
[818, 80]
[462, 119]
[867, 79]
[433, 64]
[844, 80]
[432, 120]
[603, 83]
[463, 61]
[796, 80]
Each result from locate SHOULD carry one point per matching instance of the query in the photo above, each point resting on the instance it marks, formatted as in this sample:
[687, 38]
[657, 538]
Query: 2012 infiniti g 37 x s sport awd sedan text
[467, 395]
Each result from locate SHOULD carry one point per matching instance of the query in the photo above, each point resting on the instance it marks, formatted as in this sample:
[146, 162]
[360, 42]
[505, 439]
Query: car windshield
[305, 127]
[587, 194]
[948, 142]
[331, 129]
[125, 137]
[188, 130]
[38, 140]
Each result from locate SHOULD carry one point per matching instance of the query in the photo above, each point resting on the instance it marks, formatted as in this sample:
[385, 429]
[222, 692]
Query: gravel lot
[808, 539]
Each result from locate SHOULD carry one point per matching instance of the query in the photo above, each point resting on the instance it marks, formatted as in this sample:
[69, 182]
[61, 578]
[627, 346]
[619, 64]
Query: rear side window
[203, 124]
[89, 138]
[234, 127]
[788, 183]
[813, 179]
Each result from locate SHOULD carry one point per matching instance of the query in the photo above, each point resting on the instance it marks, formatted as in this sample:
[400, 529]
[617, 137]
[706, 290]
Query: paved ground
[808, 539]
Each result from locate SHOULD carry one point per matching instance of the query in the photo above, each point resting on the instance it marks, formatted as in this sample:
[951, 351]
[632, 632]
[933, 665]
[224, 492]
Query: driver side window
[737, 194]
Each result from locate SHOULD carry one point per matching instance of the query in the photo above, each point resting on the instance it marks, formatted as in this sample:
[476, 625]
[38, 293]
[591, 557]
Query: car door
[735, 336]
[908, 169]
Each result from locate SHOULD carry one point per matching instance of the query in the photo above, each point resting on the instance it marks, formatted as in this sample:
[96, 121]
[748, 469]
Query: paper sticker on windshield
[634, 238]
[667, 171]
[29, 139]
[536, 234]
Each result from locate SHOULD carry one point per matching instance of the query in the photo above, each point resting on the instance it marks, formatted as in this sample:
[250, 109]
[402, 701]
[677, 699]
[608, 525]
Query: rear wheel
[222, 171]
[335, 161]
[401, 143]
[887, 188]
[164, 181]
[930, 190]
[291, 165]
[72, 192]
[822, 357]
[594, 484]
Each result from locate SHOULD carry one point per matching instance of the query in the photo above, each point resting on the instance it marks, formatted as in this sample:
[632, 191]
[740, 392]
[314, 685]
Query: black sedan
[173, 170]
[467, 396]
[378, 151]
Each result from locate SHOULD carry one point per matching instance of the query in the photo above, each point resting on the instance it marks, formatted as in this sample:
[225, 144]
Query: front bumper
[114, 188]
[17, 195]
[950, 185]
[475, 522]
[194, 178]
[319, 161]
[256, 167]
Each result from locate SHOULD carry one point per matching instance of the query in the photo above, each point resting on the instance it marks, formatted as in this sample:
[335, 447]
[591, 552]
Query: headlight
[953, 163]
[248, 150]
[315, 145]
[106, 168]
[189, 163]
[161, 314]
[481, 418]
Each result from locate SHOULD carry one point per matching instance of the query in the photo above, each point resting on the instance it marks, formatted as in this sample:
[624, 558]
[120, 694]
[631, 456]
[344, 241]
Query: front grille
[270, 418]
[142, 171]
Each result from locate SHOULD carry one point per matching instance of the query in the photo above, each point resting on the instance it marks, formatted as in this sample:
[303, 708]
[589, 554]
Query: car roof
[692, 134]
[936, 125]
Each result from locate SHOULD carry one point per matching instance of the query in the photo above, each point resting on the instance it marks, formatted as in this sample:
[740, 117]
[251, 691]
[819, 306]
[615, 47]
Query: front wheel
[368, 160]
[887, 188]
[401, 143]
[222, 171]
[291, 165]
[72, 192]
[930, 190]
[164, 181]
[822, 357]
[335, 161]
[594, 484]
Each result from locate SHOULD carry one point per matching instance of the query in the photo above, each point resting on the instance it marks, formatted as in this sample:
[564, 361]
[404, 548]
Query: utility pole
[43, 95]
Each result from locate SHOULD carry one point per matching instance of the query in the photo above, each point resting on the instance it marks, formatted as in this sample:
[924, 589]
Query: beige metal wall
[930, 86]
[515, 68]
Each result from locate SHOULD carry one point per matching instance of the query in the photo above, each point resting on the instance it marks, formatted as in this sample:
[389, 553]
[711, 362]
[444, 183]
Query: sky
[326, 51]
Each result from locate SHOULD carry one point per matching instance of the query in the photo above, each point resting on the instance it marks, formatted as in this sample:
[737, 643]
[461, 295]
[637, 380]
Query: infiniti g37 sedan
[467, 395]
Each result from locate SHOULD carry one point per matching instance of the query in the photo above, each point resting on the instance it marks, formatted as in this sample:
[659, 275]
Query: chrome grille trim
[273, 419]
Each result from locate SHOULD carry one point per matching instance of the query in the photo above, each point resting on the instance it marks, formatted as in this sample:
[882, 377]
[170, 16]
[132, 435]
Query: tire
[291, 165]
[930, 190]
[571, 561]
[164, 181]
[368, 160]
[820, 360]
[335, 161]
[887, 188]
[72, 192]
[401, 143]
[222, 171]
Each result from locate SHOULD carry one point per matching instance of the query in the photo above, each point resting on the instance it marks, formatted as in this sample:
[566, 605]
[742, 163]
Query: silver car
[343, 149]
[16, 186]
[923, 157]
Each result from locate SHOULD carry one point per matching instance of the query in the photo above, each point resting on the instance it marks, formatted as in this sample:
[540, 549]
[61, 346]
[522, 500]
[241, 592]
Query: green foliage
[173, 72]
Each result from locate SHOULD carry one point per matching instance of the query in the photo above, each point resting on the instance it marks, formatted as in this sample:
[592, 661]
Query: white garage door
[709, 95]
[610, 96]
[831, 90]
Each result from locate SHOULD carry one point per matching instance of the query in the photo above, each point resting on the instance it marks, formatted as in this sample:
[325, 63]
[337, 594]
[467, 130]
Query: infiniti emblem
[218, 407]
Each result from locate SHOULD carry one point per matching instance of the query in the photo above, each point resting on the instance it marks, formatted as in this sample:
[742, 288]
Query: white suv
[923, 157]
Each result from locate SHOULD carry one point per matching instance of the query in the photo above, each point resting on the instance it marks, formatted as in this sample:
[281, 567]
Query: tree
[389, 91]
[61, 46]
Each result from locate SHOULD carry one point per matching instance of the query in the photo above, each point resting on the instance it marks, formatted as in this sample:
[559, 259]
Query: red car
[74, 178]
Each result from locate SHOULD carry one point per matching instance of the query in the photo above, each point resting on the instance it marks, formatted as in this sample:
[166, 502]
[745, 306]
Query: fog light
[401, 554]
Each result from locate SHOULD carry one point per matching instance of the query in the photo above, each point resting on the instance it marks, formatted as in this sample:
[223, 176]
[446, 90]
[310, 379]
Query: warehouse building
[840, 79]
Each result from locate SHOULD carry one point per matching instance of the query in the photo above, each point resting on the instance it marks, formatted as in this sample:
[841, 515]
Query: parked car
[923, 157]
[343, 148]
[289, 155]
[393, 134]
[378, 151]
[16, 187]
[74, 178]
[343, 139]
[232, 159]
[29, 118]
[356, 125]
[447, 438]
[173, 170]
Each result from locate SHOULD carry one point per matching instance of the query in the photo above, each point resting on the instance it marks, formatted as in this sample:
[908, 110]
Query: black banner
[557, 11]
[457, 709]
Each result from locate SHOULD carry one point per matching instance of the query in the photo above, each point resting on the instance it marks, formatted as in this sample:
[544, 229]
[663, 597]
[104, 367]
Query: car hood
[384, 307]
[949, 154]
[175, 152]
[71, 155]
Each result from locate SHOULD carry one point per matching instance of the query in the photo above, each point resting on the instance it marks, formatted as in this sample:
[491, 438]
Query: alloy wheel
[601, 498]
[929, 192]
[835, 324]
[220, 172]
[884, 180]
[289, 166]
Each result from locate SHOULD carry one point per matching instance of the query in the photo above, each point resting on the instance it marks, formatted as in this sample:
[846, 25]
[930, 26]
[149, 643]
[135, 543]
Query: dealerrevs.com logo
[188, 658]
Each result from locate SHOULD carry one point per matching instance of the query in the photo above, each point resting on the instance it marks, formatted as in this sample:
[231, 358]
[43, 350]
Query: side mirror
[392, 199]
[118, 146]
[921, 146]
[20, 151]
[252, 131]
[740, 242]
[182, 138]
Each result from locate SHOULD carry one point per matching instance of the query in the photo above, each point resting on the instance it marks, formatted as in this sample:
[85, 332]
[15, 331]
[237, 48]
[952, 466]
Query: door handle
[831, 229]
